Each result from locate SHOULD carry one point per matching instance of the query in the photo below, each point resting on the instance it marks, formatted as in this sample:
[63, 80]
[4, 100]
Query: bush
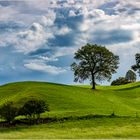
[33, 108]
[120, 81]
[8, 112]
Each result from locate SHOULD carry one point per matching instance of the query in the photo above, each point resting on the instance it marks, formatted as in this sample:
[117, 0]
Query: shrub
[33, 108]
[120, 81]
[8, 112]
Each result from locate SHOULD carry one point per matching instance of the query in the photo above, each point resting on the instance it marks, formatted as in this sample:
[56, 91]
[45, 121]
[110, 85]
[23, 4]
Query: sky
[38, 38]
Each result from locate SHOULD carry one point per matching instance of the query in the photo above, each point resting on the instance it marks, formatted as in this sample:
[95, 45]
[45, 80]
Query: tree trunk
[93, 81]
[93, 85]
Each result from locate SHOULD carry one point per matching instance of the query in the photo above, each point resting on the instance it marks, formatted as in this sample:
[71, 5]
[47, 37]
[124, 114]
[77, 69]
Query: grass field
[94, 128]
[78, 101]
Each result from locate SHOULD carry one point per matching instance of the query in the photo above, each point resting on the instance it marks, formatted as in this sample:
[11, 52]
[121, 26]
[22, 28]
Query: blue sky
[38, 38]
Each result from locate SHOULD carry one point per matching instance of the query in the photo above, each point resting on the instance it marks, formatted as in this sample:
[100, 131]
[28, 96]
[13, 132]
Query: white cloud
[135, 3]
[49, 19]
[64, 51]
[7, 13]
[46, 58]
[88, 3]
[132, 26]
[63, 31]
[72, 13]
[71, 1]
[97, 21]
[32, 38]
[94, 16]
[38, 4]
[58, 52]
[45, 68]
[85, 25]
[122, 17]
[44, 3]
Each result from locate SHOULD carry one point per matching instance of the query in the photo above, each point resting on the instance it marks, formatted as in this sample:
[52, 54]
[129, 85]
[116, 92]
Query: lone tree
[94, 62]
[136, 67]
[131, 76]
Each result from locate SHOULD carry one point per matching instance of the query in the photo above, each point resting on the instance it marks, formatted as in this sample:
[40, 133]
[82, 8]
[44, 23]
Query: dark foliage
[8, 111]
[120, 81]
[136, 67]
[33, 108]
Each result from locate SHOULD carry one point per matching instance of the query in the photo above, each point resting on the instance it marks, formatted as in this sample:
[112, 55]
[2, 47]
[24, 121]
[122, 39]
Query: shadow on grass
[26, 122]
[127, 88]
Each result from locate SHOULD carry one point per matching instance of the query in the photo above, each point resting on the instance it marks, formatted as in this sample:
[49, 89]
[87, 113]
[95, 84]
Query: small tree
[136, 67]
[131, 76]
[120, 81]
[8, 111]
[41, 108]
[94, 62]
[33, 108]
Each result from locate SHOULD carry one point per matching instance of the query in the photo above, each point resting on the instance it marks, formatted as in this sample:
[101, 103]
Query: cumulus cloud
[63, 31]
[31, 39]
[97, 27]
[64, 51]
[27, 40]
[52, 30]
[45, 68]
[49, 19]
[56, 54]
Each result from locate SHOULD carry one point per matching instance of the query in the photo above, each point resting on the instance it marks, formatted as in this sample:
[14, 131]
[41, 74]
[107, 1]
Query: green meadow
[79, 129]
[77, 102]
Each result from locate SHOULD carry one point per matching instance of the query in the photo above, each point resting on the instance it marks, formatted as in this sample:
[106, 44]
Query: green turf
[73, 101]
[81, 129]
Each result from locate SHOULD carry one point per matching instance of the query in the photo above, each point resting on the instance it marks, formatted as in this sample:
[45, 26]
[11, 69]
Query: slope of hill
[77, 101]
[67, 100]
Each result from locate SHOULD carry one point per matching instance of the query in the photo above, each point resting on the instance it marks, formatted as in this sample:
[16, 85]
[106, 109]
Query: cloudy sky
[38, 38]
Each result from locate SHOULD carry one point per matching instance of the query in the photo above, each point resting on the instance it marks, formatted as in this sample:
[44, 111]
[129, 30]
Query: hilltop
[66, 100]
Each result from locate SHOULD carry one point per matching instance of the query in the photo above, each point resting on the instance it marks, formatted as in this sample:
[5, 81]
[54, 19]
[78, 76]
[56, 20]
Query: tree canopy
[8, 111]
[136, 67]
[94, 62]
[120, 81]
[33, 108]
[131, 76]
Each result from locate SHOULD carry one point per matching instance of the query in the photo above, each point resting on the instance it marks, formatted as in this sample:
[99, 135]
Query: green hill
[78, 101]
[67, 100]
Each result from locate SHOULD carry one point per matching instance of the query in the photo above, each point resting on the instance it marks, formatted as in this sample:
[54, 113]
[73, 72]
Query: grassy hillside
[76, 101]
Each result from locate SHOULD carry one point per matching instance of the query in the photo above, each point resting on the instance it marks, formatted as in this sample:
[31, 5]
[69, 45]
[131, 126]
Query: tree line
[97, 63]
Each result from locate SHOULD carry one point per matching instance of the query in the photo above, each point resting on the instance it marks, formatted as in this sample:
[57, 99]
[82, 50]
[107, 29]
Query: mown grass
[83, 129]
[76, 101]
